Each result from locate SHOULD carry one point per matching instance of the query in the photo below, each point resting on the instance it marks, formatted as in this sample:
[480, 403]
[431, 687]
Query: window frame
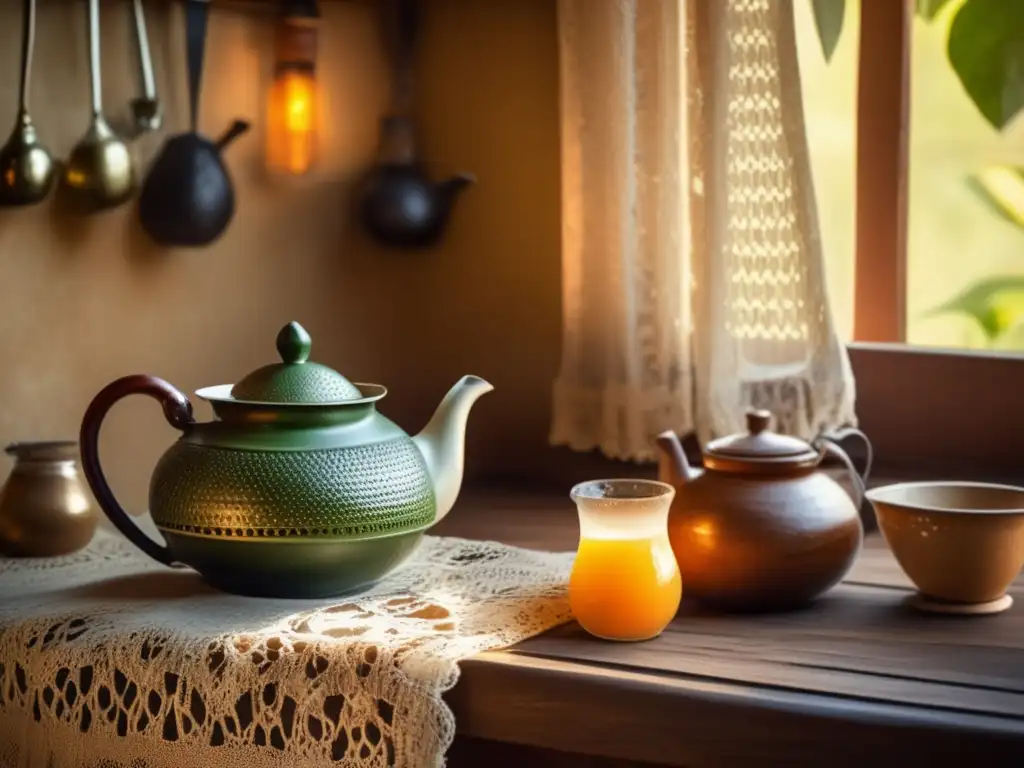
[927, 410]
[882, 172]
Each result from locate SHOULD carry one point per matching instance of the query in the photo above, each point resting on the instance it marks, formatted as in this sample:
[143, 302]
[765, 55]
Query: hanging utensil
[187, 198]
[146, 108]
[100, 173]
[399, 205]
[26, 166]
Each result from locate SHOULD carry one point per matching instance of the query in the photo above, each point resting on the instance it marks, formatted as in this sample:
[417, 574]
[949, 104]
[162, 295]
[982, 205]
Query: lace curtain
[693, 279]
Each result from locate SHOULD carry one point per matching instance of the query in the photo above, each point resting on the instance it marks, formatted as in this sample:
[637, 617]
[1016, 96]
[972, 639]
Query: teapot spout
[673, 468]
[442, 442]
[233, 131]
[449, 189]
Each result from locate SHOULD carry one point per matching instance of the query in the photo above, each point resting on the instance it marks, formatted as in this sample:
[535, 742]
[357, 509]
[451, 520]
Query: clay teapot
[299, 487]
[762, 527]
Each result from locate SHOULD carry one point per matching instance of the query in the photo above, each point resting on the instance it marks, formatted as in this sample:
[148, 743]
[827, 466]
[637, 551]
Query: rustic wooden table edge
[541, 694]
[667, 719]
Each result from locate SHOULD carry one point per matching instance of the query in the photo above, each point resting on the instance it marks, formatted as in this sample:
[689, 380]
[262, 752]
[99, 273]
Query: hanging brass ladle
[26, 166]
[100, 173]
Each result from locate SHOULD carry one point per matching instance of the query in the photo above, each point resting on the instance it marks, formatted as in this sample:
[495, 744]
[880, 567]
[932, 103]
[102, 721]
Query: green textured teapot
[299, 487]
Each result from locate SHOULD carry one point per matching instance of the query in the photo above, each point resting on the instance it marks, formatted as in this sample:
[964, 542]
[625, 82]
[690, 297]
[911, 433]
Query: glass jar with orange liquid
[625, 582]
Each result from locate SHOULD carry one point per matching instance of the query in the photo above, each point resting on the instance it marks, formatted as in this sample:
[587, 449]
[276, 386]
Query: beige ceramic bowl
[960, 543]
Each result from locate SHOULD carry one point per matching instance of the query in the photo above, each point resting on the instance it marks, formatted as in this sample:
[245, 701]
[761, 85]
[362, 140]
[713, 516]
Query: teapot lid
[295, 380]
[759, 445]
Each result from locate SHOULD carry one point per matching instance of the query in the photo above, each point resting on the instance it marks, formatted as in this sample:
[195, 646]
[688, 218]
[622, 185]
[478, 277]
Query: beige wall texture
[87, 300]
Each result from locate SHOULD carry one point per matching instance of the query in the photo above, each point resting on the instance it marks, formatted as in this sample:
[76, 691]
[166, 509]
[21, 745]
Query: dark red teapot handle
[178, 412]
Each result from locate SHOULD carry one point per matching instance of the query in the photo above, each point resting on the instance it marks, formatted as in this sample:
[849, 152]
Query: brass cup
[45, 509]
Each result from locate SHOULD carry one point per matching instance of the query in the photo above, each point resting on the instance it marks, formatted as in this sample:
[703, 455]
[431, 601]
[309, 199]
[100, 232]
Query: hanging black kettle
[399, 205]
[187, 198]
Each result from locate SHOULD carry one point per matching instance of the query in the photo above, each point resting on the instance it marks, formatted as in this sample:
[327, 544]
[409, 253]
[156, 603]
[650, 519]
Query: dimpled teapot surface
[300, 487]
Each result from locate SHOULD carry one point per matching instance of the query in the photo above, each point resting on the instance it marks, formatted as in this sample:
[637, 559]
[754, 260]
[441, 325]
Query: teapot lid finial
[295, 381]
[294, 344]
[758, 421]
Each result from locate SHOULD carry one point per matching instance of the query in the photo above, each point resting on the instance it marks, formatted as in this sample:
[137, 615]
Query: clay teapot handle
[178, 412]
[827, 444]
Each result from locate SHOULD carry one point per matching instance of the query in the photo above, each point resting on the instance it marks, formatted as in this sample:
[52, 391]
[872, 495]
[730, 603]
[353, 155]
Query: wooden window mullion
[883, 106]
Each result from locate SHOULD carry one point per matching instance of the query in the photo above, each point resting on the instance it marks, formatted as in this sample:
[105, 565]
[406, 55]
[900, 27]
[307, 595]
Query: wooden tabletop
[857, 679]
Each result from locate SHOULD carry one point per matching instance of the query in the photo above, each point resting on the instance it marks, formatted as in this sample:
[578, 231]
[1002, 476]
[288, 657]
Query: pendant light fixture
[292, 100]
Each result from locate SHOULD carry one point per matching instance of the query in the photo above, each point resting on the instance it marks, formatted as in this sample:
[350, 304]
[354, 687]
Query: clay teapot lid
[760, 446]
[295, 380]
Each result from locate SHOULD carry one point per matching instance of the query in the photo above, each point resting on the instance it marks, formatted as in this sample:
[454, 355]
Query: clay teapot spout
[673, 468]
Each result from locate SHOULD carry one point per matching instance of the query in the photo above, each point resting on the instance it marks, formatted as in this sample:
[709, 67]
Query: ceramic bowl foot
[935, 605]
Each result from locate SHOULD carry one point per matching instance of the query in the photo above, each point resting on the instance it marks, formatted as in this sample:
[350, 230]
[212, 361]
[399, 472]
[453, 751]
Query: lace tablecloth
[109, 659]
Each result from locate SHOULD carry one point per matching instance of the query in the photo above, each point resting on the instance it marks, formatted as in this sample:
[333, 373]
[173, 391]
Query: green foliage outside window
[985, 48]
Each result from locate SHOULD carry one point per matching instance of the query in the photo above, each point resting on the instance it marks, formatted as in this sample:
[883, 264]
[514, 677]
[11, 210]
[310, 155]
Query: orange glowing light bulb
[292, 102]
[291, 122]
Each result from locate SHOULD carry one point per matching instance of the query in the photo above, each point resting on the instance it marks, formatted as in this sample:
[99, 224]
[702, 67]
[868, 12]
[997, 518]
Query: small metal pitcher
[45, 508]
